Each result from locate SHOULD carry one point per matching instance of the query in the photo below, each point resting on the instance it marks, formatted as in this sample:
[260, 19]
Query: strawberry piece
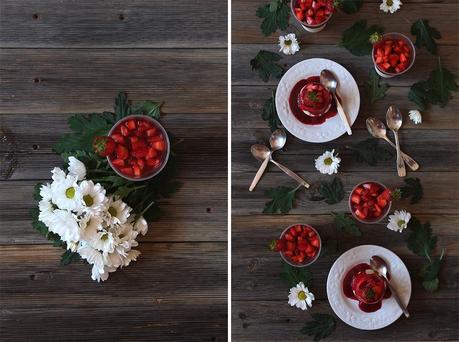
[290, 246]
[361, 214]
[152, 153]
[137, 171]
[118, 162]
[124, 131]
[153, 163]
[298, 228]
[103, 146]
[141, 163]
[288, 237]
[159, 145]
[315, 242]
[151, 132]
[130, 124]
[140, 152]
[122, 152]
[128, 171]
[119, 139]
[355, 198]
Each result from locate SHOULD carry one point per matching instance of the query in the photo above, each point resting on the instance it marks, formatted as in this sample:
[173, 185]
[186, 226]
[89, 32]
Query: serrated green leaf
[420, 240]
[369, 151]
[345, 223]
[332, 192]
[374, 90]
[425, 35]
[122, 107]
[419, 94]
[321, 327]
[431, 269]
[265, 64]
[356, 39]
[275, 16]
[294, 275]
[36, 192]
[282, 200]
[69, 257]
[431, 285]
[269, 114]
[412, 189]
[350, 6]
[150, 108]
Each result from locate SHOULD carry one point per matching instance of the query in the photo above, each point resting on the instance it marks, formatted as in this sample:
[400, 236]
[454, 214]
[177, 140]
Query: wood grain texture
[113, 23]
[259, 299]
[87, 80]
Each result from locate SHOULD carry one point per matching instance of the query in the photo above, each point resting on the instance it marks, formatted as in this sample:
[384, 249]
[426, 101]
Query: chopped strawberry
[288, 237]
[159, 145]
[124, 131]
[290, 246]
[103, 146]
[355, 198]
[130, 124]
[141, 163]
[122, 152]
[315, 242]
[127, 171]
[151, 132]
[361, 214]
[118, 162]
[153, 163]
[137, 171]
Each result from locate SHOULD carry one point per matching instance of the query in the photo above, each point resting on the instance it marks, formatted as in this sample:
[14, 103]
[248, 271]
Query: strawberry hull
[299, 245]
[370, 202]
[142, 147]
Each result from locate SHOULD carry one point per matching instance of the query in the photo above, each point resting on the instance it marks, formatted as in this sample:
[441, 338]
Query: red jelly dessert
[364, 285]
[141, 147]
[300, 93]
[299, 245]
[314, 100]
[370, 202]
[393, 54]
[313, 12]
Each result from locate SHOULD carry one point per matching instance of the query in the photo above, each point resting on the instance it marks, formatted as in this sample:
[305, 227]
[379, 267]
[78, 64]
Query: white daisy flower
[399, 220]
[77, 168]
[132, 255]
[141, 226]
[93, 197]
[415, 116]
[300, 297]
[328, 163]
[46, 192]
[58, 175]
[65, 224]
[391, 6]
[90, 226]
[46, 211]
[118, 211]
[94, 257]
[67, 194]
[289, 44]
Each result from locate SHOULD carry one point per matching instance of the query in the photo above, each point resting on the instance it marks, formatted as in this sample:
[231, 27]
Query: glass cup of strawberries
[370, 202]
[299, 245]
[313, 15]
[137, 147]
[393, 54]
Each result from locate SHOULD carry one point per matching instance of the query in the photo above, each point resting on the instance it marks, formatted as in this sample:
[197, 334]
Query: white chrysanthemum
[391, 6]
[93, 195]
[141, 225]
[67, 194]
[399, 220]
[328, 163]
[415, 116]
[46, 211]
[90, 226]
[289, 44]
[118, 211]
[58, 175]
[65, 224]
[300, 297]
[46, 192]
[95, 258]
[77, 168]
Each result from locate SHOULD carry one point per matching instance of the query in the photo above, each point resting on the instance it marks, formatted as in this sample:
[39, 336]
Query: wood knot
[35, 16]
[209, 210]
[36, 80]
[121, 16]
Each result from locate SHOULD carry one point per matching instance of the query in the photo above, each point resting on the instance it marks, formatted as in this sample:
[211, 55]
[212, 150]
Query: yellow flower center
[112, 211]
[328, 161]
[88, 200]
[301, 295]
[288, 42]
[390, 3]
[400, 223]
[70, 193]
[104, 237]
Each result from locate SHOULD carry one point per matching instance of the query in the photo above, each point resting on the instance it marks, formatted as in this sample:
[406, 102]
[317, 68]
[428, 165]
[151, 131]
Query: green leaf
[275, 16]
[264, 64]
[36, 192]
[432, 268]
[346, 224]
[420, 241]
[122, 107]
[431, 285]
[150, 108]
[282, 200]
[321, 327]
[374, 90]
[294, 275]
[369, 151]
[413, 189]
[356, 39]
[69, 257]
[269, 114]
[332, 192]
[419, 94]
[329, 247]
[350, 6]
[425, 35]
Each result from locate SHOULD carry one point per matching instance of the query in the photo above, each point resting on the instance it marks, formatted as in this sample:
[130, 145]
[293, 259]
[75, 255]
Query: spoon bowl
[260, 152]
[277, 140]
[394, 118]
[376, 128]
[328, 80]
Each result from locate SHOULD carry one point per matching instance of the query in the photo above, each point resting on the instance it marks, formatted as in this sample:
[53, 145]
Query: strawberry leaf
[329, 247]
[269, 113]
[369, 151]
[294, 275]
[356, 39]
[122, 107]
[275, 16]
[265, 63]
[349, 6]
[282, 200]
[413, 189]
[374, 90]
[150, 108]
[425, 35]
[69, 257]
[321, 327]
[346, 224]
[332, 191]
[420, 241]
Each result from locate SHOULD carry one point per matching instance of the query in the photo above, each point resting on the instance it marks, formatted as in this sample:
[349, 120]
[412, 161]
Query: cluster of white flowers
[98, 227]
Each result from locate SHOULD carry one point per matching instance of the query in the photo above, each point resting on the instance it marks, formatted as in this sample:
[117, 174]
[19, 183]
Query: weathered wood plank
[121, 24]
[197, 212]
[441, 192]
[431, 320]
[300, 155]
[248, 101]
[246, 26]
[72, 81]
[136, 303]
[359, 67]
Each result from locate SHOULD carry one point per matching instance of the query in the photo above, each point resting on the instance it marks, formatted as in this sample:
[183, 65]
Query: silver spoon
[394, 122]
[277, 141]
[377, 129]
[329, 81]
[261, 152]
[379, 265]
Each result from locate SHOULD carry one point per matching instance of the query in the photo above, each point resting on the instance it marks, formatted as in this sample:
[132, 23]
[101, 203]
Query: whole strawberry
[103, 146]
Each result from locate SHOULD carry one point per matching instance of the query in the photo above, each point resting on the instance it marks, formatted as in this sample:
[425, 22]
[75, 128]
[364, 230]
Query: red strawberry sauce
[349, 291]
[299, 114]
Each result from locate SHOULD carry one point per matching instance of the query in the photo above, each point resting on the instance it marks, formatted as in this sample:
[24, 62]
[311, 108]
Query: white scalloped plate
[347, 309]
[333, 127]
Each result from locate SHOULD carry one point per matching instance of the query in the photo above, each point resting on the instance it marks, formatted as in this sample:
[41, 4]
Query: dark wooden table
[259, 298]
[63, 57]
